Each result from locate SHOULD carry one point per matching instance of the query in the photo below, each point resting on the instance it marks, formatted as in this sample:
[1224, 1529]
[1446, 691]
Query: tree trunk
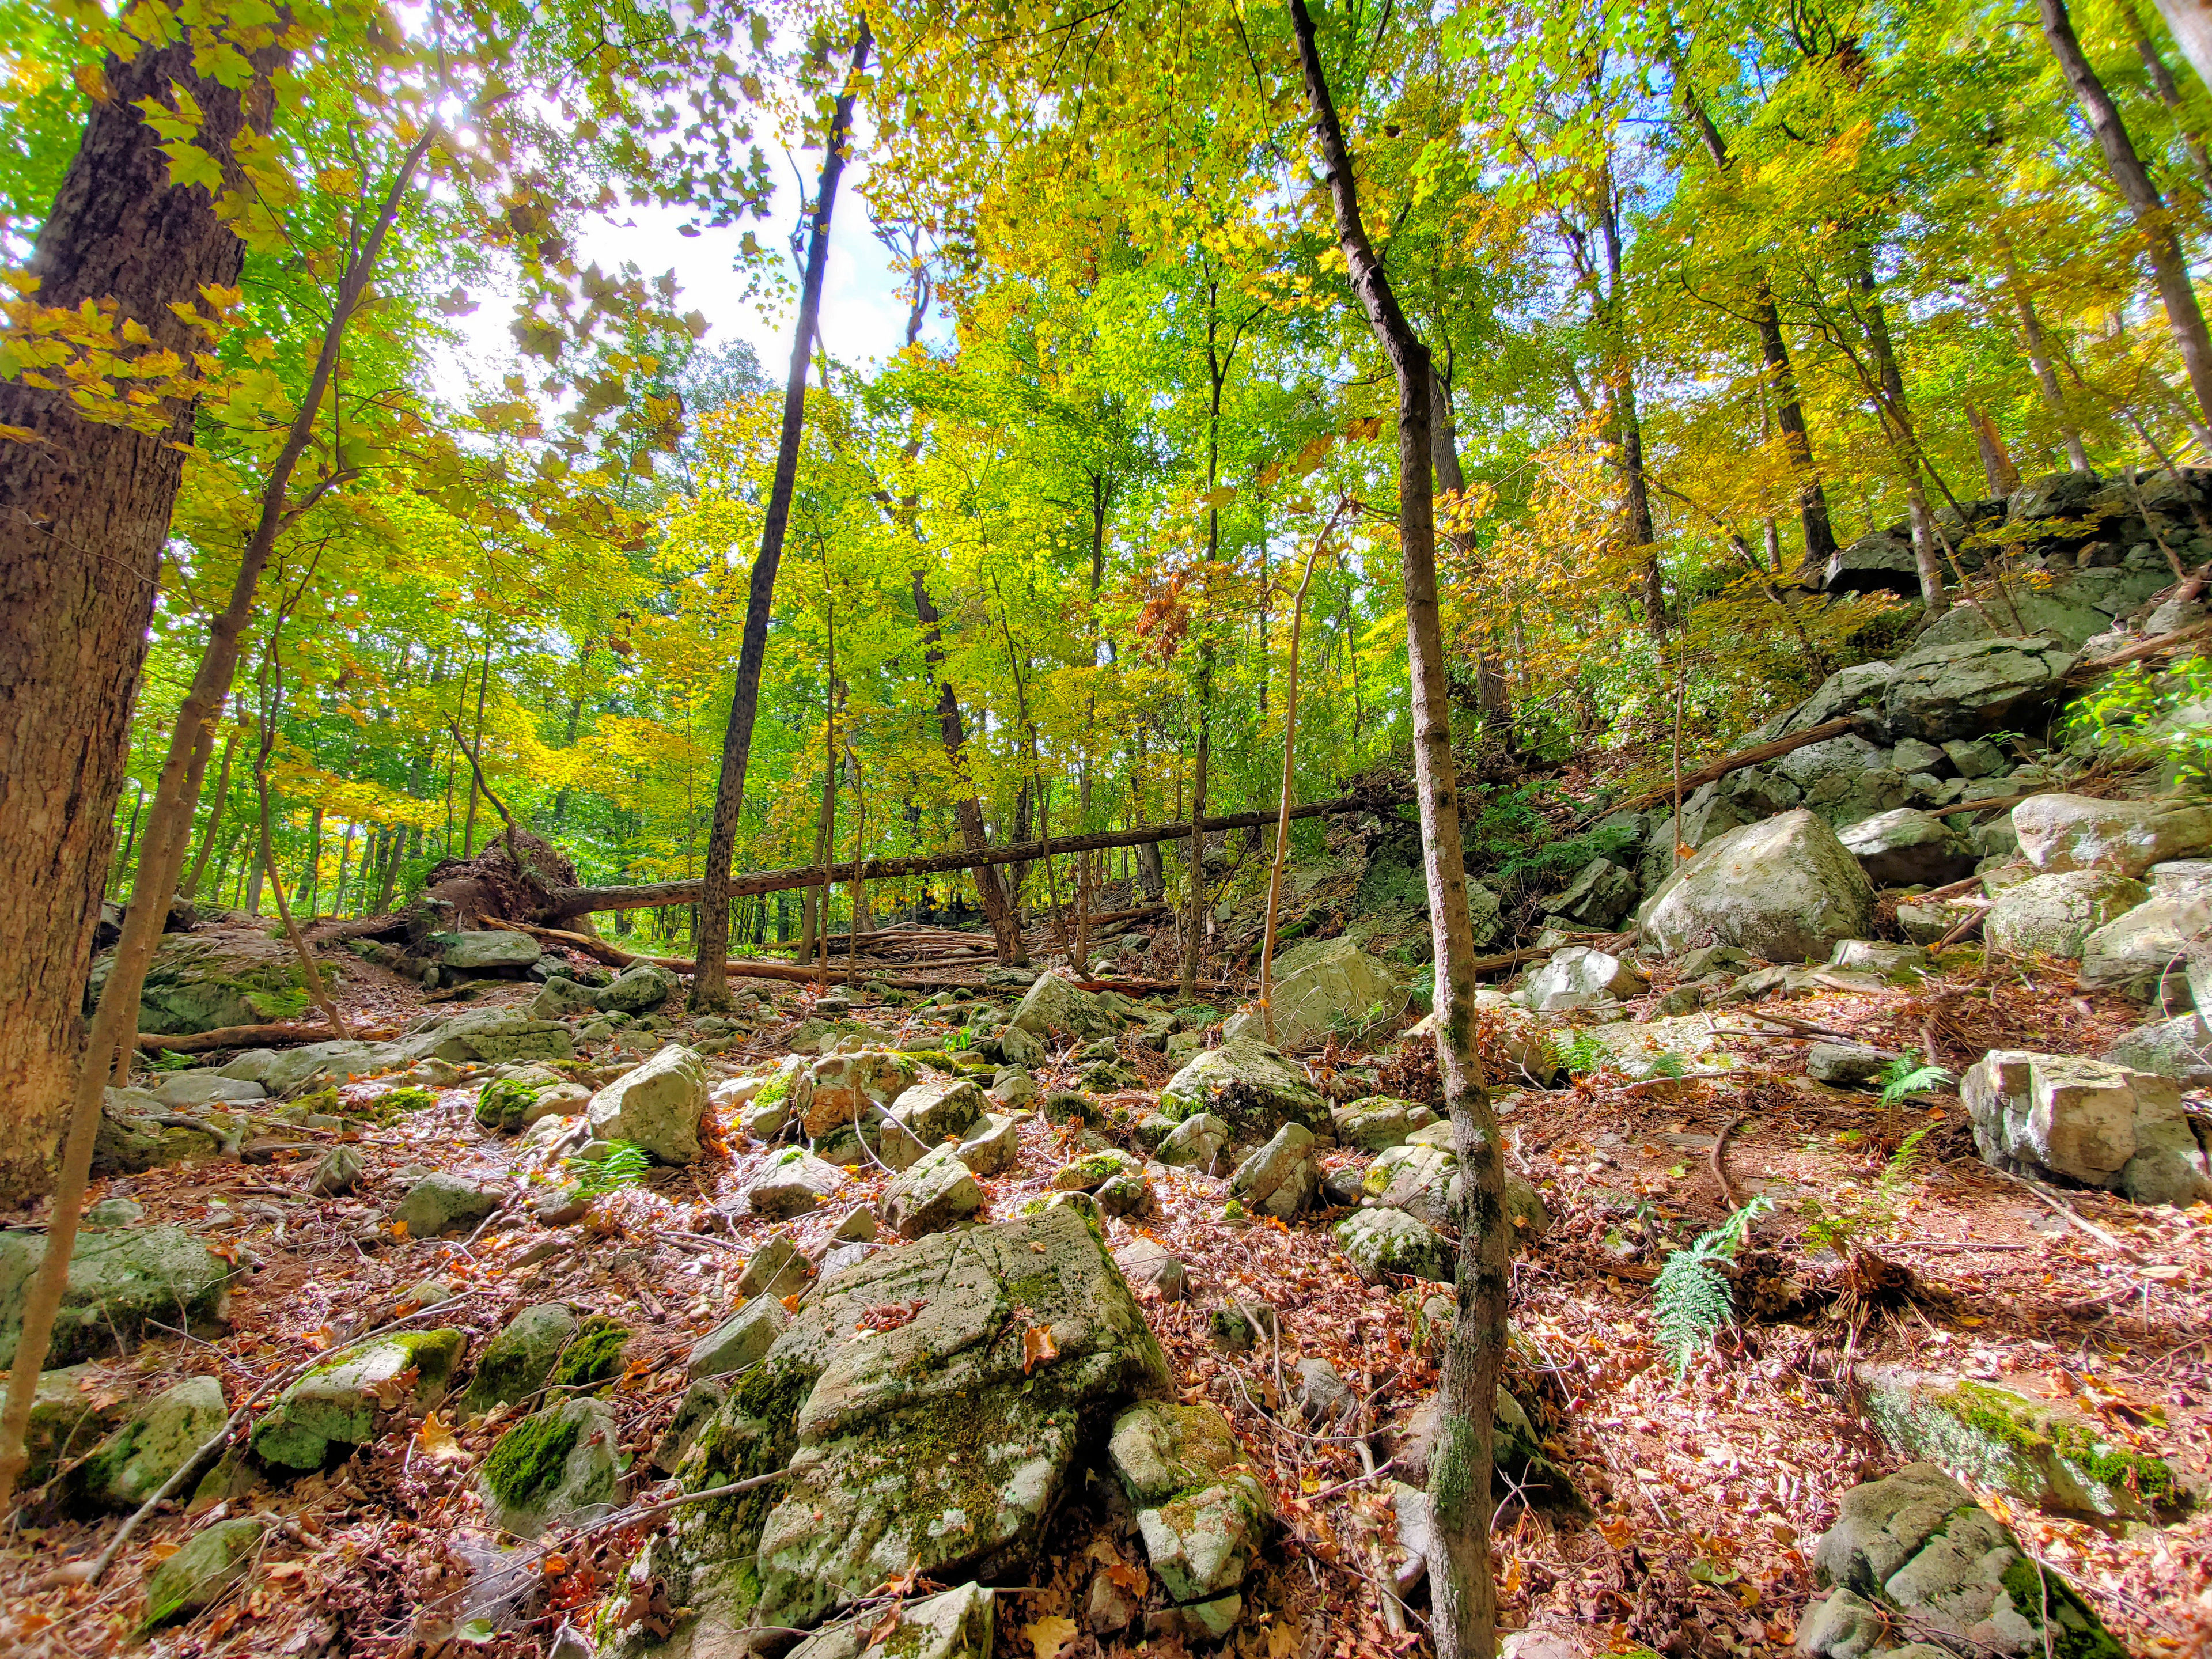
[1282, 855]
[967, 810]
[1897, 420]
[2169, 94]
[711, 990]
[1194, 903]
[2192, 23]
[1628, 424]
[84, 511]
[1490, 697]
[220, 800]
[1464, 1626]
[2039, 359]
[2167, 264]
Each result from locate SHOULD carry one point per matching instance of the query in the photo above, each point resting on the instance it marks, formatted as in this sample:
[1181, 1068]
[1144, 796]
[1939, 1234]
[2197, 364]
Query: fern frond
[1692, 1299]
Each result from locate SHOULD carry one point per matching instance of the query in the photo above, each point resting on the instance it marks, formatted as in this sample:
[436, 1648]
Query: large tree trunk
[2155, 225]
[1628, 423]
[84, 509]
[711, 990]
[2192, 23]
[1464, 1626]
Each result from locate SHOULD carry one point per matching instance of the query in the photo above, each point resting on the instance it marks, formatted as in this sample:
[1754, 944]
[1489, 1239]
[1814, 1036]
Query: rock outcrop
[2086, 1122]
[1784, 889]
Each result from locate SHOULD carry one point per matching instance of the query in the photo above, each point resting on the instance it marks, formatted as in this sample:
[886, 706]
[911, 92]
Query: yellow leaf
[1282, 1641]
[1050, 1635]
[436, 1441]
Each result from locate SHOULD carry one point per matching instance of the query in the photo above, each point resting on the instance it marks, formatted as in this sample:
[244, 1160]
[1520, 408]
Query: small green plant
[1669, 1064]
[1844, 1228]
[2150, 713]
[960, 1041]
[1580, 1054]
[1907, 1075]
[167, 1060]
[504, 1103]
[624, 1166]
[409, 1097]
[1692, 1298]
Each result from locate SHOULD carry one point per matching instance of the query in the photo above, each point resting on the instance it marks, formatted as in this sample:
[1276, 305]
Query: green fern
[1580, 1054]
[1904, 1168]
[1691, 1299]
[1907, 1075]
[624, 1166]
[1841, 1230]
[167, 1060]
[1669, 1064]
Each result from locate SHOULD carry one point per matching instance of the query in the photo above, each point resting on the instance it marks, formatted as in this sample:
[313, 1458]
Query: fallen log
[2082, 672]
[736, 967]
[1757, 755]
[563, 902]
[251, 1036]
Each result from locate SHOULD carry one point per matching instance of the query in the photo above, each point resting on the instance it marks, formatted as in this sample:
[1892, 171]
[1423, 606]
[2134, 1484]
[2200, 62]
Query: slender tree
[1465, 1597]
[710, 987]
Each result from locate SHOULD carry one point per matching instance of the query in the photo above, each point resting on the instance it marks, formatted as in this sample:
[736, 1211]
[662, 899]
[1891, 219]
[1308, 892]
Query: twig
[1719, 1157]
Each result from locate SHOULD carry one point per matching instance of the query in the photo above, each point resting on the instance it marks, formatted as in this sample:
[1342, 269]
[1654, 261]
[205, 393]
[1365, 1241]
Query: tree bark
[2167, 264]
[967, 810]
[711, 990]
[2192, 23]
[219, 800]
[84, 511]
[2170, 95]
[1464, 1626]
[1283, 815]
[1194, 901]
[2039, 359]
[1628, 423]
[1896, 418]
[1491, 700]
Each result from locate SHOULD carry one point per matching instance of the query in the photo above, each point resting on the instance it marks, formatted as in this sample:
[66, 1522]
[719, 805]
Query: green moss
[323, 1101]
[2072, 1630]
[936, 1057]
[2035, 1434]
[412, 1098]
[594, 1357]
[529, 1458]
[1063, 1104]
[778, 1087]
[503, 1104]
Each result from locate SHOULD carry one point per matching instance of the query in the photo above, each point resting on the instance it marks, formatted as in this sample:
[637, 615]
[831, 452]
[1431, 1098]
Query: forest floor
[1706, 1492]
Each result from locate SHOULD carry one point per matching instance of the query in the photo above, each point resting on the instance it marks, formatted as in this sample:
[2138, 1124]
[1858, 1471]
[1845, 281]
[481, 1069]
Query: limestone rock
[2073, 832]
[1248, 1085]
[1600, 894]
[557, 1466]
[183, 1090]
[1282, 1177]
[334, 1406]
[1386, 1243]
[1149, 1264]
[1089, 1173]
[657, 1106]
[1784, 890]
[1580, 977]
[638, 989]
[212, 1560]
[940, 1444]
[776, 1269]
[1331, 987]
[131, 1464]
[1908, 848]
[2146, 951]
[443, 1203]
[1052, 1004]
[282, 1071]
[2091, 1122]
[492, 1035]
[793, 1182]
[1422, 1178]
[496, 948]
[937, 1193]
[1944, 691]
[72, 1411]
[842, 1090]
[1845, 1064]
[1916, 1548]
[515, 1362]
[1195, 1143]
[1378, 1122]
[2047, 1456]
[959, 1624]
[2180, 1049]
[1203, 1518]
[119, 1280]
[2054, 914]
[563, 997]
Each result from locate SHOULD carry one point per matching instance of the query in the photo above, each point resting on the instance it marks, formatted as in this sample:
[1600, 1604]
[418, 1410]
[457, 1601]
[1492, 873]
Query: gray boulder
[557, 1466]
[638, 989]
[1390, 1243]
[212, 1560]
[484, 952]
[1203, 1515]
[1089, 1173]
[1845, 1064]
[791, 1184]
[1280, 1178]
[776, 1269]
[1881, 562]
[182, 1091]
[1423, 1178]
[1195, 1143]
[280, 1071]
[940, 1445]
[2055, 914]
[492, 1037]
[1908, 848]
[1786, 890]
[740, 1341]
[2146, 951]
[71, 1412]
[515, 1362]
[2056, 613]
[441, 1203]
[1915, 1550]
[334, 1407]
[992, 1143]
[134, 1463]
[1148, 1264]
[2073, 832]
[959, 1624]
[937, 1193]
[1943, 692]
[659, 1106]
[1600, 894]
[1580, 977]
[563, 997]
[210, 978]
[1249, 1085]
[119, 1280]
[839, 1091]
[2088, 1121]
[1379, 1122]
[1331, 987]
[2180, 1049]
[1052, 1004]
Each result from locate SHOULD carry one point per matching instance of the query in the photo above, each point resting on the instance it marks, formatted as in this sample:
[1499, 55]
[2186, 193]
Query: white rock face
[1579, 977]
[2054, 914]
[2096, 1123]
[657, 1106]
[1784, 889]
[2073, 832]
[1332, 982]
[2147, 951]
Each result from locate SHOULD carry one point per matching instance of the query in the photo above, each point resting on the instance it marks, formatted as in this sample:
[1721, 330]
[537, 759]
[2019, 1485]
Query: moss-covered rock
[517, 1362]
[555, 1467]
[212, 977]
[71, 1412]
[334, 1407]
[211, 1561]
[1254, 1088]
[2044, 1454]
[503, 1106]
[130, 1465]
[1089, 1173]
[1203, 1517]
[594, 1357]
[119, 1280]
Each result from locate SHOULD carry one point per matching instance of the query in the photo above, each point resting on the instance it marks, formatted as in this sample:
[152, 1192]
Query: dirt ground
[1705, 1492]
